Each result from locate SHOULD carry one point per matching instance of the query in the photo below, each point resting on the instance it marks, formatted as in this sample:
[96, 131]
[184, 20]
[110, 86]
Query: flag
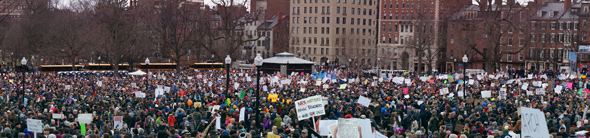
[253, 46]
[242, 94]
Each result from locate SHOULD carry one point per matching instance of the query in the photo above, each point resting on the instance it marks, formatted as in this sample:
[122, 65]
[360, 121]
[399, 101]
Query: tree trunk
[73, 65]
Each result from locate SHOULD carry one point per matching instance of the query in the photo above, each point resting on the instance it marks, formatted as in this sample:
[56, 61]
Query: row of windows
[325, 41]
[326, 10]
[417, 6]
[326, 51]
[402, 16]
[326, 20]
[358, 2]
[395, 40]
[326, 30]
[559, 38]
[395, 28]
[555, 25]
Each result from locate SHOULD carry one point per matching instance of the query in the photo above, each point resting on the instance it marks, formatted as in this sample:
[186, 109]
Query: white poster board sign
[166, 89]
[558, 89]
[323, 126]
[486, 94]
[502, 94]
[85, 118]
[35, 125]
[242, 114]
[118, 122]
[533, 124]
[57, 116]
[309, 107]
[364, 101]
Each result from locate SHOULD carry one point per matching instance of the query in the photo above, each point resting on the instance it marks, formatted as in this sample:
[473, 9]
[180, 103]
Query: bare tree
[69, 33]
[224, 28]
[499, 24]
[175, 25]
[115, 32]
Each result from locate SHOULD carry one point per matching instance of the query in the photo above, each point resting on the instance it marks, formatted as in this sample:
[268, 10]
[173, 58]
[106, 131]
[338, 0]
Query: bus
[207, 66]
[157, 66]
[104, 67]
[58, 68]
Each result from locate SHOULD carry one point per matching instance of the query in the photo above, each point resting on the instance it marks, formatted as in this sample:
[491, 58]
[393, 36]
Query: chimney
[567, 5]
[279, 16]
[484, 4]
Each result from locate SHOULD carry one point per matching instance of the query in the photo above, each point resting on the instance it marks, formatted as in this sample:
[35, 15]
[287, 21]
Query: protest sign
[85, 118]
[486, 94]
[502, 93]
[533, 124]
[166, 89]
[118, 122]
[35, 125]
[57, 116]
[342, 86]
[309, 107]
[323, 126]
[242, 114]
[217, 122]
[539, 91]
[348, 128]
[558, 89]
[364, 101]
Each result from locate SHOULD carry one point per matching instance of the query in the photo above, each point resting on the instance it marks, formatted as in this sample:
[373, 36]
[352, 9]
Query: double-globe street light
[258, 63]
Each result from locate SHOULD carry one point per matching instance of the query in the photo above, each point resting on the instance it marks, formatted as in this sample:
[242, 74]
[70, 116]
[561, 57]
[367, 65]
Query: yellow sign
[272, 136]
[273, 97]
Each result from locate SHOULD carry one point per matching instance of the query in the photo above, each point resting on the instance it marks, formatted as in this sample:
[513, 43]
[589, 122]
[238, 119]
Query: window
[338, 10]
[520, 56]
[337, 20]
[328, 20]
[520, 42]
[315, 50]
[352, 21]
[327, 30]
[383, 39]
[337, 30]
[533, 37]
[389, 40]
[509, 57]
[509, 41]
[552, 38]
[352, 9]
[337, 42]
[343, 20]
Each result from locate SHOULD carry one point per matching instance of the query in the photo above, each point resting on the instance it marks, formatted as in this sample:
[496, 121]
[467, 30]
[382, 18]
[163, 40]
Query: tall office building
[334, 32]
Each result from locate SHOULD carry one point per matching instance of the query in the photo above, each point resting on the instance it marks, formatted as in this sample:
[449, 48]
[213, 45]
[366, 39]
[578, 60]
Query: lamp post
[258, 63]
[23, 63]
[147, 67]
[465, 59]
[227, 63]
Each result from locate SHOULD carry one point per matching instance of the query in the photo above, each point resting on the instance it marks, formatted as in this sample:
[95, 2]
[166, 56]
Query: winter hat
[348, 116]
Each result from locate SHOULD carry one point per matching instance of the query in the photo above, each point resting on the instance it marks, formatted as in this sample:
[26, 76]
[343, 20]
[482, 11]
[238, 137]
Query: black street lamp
[99, 62]
[23, 63]
[258, 63]
[465, 59]
[227, 63]
[147, 68]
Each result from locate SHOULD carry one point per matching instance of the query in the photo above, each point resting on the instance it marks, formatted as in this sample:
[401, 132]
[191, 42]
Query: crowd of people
[416, 108]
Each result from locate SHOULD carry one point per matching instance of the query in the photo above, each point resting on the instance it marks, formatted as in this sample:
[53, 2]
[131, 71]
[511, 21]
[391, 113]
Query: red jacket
[171, 120]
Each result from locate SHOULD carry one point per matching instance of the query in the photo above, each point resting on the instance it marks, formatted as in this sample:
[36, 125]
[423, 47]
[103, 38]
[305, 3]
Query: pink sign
[569, 85]
[586, 90]
[405, 90]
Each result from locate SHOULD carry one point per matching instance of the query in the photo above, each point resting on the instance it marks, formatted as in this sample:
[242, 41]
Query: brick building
[407, 27]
